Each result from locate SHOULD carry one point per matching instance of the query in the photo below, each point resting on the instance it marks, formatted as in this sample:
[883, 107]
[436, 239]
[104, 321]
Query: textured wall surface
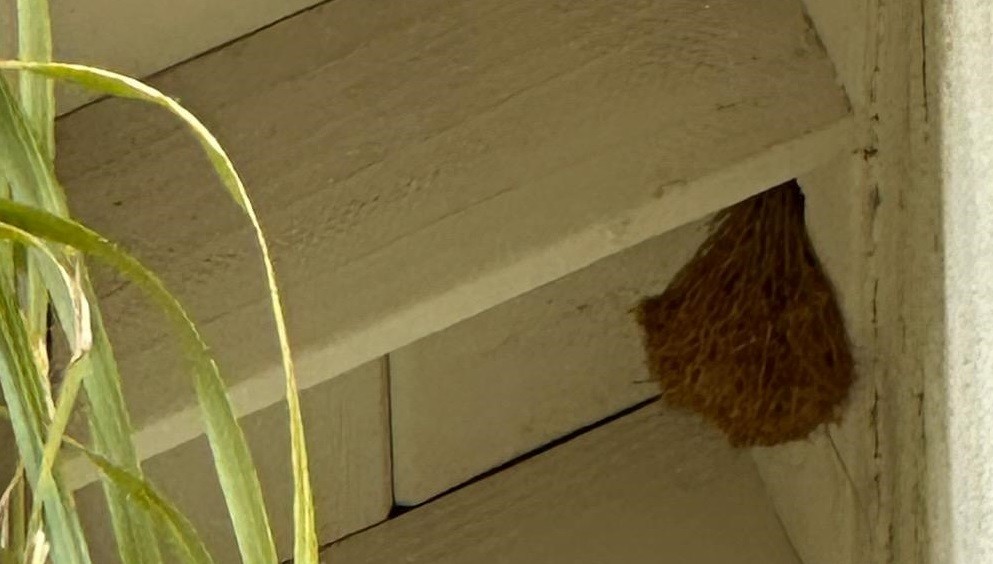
[960, 437]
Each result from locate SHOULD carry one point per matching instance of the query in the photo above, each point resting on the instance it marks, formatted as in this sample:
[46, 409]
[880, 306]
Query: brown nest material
[748, 334]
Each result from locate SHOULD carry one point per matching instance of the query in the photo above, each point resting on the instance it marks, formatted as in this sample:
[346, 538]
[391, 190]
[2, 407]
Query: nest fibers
[748, 334]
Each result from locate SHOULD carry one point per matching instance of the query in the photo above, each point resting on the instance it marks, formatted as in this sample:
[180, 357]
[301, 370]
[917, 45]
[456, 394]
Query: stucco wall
[960, 437]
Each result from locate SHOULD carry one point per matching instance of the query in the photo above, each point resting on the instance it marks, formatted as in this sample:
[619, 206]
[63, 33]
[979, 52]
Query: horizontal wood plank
[528, 371]
[416, 163]
[142, 37]
[654, 486]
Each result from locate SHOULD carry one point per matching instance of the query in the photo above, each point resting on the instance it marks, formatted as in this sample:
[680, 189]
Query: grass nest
[749, 334]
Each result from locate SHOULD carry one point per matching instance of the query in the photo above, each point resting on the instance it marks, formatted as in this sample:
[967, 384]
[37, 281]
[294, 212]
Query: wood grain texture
[416, 163]
[843, 26]
[348, 443]
[653, 486]
[141, 37]
[524, 373]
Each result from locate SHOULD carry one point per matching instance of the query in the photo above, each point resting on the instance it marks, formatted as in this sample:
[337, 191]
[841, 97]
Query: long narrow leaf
[23, 393]
[65, 290]
[70, 304]
[232, 457]
[140, 492]
[110, 434]
[6, 247]
[37, 97]
[107, 82]
[34, 38]
[154, 504]
[35, 44]
[25, 165]
[56, 431]
[32, 180]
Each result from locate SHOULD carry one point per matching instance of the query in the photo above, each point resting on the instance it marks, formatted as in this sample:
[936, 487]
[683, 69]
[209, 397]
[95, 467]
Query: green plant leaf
[107, 82]
[231, 455]
[28, 150]
[73, 307]
[34, 38]
[110, 433]
[56, 432]
[6, 247]
[141, 492]
[38, 100]
[65, 289]
[32, 180]
[25, 398]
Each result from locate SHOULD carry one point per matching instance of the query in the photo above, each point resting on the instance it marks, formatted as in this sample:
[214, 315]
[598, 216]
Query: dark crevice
[388, 378]
[402, 509]
[209, 51]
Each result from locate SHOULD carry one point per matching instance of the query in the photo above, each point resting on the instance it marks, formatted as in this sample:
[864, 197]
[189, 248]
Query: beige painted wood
[845, 28]
[881, 475]
[348, 442]
[418, 163]
[654, 486]
[141, 37]
[526, 372]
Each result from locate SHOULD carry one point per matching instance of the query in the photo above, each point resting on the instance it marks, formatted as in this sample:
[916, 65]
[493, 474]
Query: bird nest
[749, 334]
